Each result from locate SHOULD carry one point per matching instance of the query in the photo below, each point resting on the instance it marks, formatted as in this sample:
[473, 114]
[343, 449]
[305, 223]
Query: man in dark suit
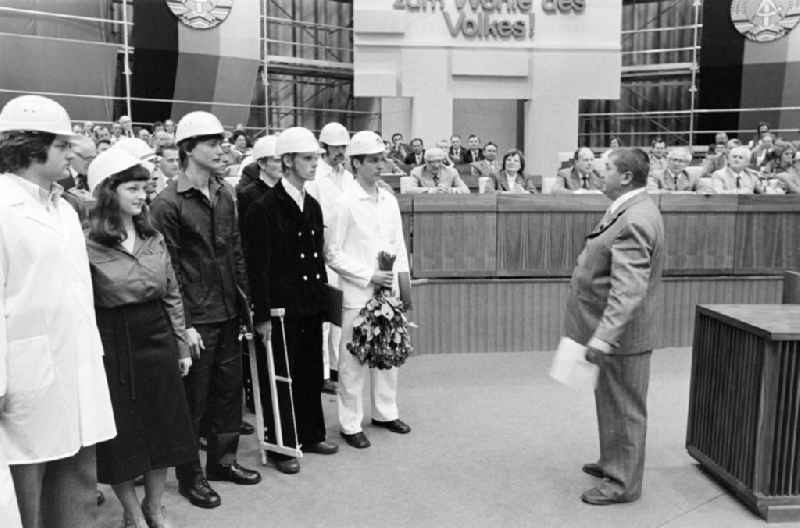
[613, 309]
[417, 155]
[474, 152]
[286, 264]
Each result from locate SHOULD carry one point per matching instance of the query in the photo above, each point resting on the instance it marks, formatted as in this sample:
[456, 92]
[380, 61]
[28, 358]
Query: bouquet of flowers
[380, 330]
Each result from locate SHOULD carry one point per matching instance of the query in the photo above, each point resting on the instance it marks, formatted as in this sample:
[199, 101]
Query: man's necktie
[675, 177]
[738, 182]
[436, 180]
[585, 182]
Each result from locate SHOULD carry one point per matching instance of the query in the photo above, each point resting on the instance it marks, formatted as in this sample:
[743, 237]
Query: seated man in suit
[416, 157]
[737, 177]
[674, 177]
[581, 177]
[488, 166]
[456, 153]
[434, 177]
[474, 152]
[658, 156]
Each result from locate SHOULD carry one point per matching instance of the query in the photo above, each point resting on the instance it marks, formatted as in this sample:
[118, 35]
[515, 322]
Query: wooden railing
[513, 236]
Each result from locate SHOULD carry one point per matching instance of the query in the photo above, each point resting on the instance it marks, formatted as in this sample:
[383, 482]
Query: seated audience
[674, 177]
[399, 150]
[391, 165]
[416, 157]
[762, 154]
[474, 152]
[737, 177]
[511, 178]
[658, 156]
[761, 130]
[788, 175]
[435, 177]
[581, 177]
[488, 166]
[240, 143]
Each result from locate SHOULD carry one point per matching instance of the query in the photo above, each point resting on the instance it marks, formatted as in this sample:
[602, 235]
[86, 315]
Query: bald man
[434, 177]
[581, 177]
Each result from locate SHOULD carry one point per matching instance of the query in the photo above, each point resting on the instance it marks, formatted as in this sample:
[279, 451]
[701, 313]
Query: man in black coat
[286, 266]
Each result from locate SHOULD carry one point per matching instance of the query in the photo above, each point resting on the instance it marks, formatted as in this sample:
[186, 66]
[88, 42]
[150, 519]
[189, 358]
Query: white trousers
[353, 375]
[331, 336]
[9, 514]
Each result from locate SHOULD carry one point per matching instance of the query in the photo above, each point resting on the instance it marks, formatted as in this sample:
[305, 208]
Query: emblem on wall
[201, 14]
[765, 20]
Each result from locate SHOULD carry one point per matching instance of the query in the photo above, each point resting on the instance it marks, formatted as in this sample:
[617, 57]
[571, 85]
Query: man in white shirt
[57, 405]
[367, 222]
[331, 180]
[737, 177]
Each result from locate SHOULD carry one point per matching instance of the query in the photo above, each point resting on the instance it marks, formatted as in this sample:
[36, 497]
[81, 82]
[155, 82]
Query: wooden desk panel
[455, 236]
[700, 233]
[767, 234]
[542, 235]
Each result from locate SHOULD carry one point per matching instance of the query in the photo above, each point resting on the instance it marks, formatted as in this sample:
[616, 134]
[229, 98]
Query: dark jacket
[250, 173]
[470, 158]
[245, 197]
[411, 159]
[204, 245]
[285, 255]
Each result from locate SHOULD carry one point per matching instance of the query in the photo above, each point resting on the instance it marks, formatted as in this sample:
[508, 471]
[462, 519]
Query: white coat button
[312, 231]
[302, 255]
[315, 254]
[299, 233]
[317, 275]
[305, 277]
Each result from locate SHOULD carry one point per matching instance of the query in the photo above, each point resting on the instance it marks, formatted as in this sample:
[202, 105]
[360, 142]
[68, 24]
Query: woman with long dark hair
[511, 177]
[141, 321]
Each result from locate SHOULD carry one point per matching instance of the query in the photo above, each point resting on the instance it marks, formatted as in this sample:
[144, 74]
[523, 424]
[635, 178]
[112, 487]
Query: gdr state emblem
[201, 14]
[765, 20]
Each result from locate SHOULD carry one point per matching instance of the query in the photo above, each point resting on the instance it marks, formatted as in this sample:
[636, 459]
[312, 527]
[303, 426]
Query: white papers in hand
[571, 368]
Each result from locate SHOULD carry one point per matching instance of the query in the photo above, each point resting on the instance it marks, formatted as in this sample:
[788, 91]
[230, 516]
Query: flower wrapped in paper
[380, 331]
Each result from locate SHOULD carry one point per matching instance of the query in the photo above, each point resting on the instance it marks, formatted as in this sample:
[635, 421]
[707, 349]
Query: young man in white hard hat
[332, 179]
[367, 222]
[269, 167]
[196, 213]
[286, 266]
[55, 397]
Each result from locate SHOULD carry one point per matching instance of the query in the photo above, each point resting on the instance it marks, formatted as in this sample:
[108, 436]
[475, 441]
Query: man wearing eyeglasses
[674, 177]
[84, 152]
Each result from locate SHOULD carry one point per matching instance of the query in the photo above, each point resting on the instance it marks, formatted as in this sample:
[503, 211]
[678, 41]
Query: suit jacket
[669, 181]
[470, 158]
[568, 180]
[483, 168]
[285, 255]
[616, 285]
[500, 183]
[457, 157]
[411, 159]
[448, 178]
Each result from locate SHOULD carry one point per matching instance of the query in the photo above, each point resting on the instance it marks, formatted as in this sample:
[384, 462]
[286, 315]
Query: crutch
[278, 446]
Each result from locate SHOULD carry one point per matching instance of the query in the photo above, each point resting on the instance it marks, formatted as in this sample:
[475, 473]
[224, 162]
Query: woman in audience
[140, 316]
[511, 177]
[240, 143]
[788, 175]
[761, 130]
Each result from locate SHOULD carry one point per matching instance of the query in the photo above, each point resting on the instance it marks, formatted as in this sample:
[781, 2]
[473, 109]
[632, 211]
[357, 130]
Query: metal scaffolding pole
[126, 71]
[693, 87]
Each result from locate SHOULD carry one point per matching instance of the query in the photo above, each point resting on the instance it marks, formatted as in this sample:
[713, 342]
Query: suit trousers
[303, 344]
[214, 393]
[353, 376]
[621, 400]
[59, 493]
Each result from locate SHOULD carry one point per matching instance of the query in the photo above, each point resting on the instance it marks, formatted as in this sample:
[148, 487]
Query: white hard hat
[34, 113]
[264, 148]
[107, 163]
[135, 147]
[296, 139]
[334, 134]
[365, 142]
[196, 124]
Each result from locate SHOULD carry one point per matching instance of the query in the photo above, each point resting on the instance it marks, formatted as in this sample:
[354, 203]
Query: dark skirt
[154, 428]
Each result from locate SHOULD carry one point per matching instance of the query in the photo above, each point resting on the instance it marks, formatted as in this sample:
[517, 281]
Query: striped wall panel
[514, 315]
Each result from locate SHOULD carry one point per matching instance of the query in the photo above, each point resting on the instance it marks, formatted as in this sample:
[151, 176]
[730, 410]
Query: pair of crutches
[274, 378]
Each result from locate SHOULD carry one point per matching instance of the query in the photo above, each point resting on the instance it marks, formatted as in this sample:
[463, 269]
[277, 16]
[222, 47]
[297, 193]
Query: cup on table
[483, 184]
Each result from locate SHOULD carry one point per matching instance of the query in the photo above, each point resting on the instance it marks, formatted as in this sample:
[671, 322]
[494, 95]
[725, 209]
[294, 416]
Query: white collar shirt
[47, 199]
[364, 226]
[299, 196]
[616, 204]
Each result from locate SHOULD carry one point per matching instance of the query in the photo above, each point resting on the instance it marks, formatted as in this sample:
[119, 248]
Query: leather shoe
[395, 426]
[357, 440]
[285, 464]
[321, 448]
[603, 497]
[234, 473]
[329, 387]
[246, 429]
[593, 469]
[199, 493]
